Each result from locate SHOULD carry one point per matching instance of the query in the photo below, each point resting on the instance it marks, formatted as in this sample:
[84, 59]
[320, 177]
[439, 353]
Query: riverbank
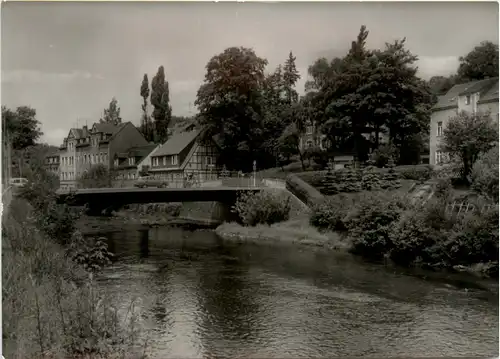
[293, 232]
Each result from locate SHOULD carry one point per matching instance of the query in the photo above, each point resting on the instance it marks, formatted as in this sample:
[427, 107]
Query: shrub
[370, 222]
[330, 214]
[417, 173]
[413, 241]
[264, 207]
[484, 176]
[97, 176]
[370, 180]
[385, 153]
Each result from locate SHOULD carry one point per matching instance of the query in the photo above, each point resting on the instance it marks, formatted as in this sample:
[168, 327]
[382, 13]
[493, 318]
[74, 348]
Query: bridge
[100, 199]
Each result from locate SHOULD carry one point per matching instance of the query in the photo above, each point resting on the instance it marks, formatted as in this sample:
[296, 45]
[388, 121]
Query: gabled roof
[177, 143]
[490, 94]
[484, 87]
[141, 151]
[108, 128]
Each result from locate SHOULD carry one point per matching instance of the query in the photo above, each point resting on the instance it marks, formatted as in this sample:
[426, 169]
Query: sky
[67, 60]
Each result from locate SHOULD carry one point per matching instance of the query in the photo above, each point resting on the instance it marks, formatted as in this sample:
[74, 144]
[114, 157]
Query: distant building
[52, 162]
[475, 96]
[183, 154]
[84, 147]
[312, 138]
[128, 165]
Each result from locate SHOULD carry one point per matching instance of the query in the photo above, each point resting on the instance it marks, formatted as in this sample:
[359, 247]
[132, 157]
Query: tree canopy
[160, 99]
[112, 113]
[21, 126]
[466, 136]
[480, 63]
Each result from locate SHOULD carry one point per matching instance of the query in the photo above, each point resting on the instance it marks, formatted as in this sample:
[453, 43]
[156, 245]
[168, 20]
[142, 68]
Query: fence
[462, 208]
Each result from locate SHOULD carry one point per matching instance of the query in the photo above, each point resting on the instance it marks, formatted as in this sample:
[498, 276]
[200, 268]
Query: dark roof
[108, 128]
[141, 151]
[484, 87]
[177, 143]
[490, 94]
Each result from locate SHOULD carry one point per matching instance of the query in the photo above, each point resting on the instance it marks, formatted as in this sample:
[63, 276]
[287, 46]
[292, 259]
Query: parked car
[150, 181]
[18, 182]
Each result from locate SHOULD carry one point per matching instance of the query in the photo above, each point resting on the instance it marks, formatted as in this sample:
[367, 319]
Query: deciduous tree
[160, 99]
[21, 127]
[480, 63]
[146, 128]
[230, 102]
[468, 135]
[112, 113]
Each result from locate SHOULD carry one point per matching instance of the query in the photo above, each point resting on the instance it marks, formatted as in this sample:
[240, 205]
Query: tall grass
[52, 307]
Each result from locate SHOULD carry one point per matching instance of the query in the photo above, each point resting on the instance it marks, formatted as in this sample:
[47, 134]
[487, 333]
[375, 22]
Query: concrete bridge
[99, 199]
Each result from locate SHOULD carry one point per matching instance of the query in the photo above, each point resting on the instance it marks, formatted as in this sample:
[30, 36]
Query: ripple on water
[203, 299]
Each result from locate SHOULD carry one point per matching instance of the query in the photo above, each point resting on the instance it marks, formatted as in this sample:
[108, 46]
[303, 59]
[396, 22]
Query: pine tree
[370, 180]
[352, 180]
[290, 78]
[392, 177]
[331, 183]
[160, 100]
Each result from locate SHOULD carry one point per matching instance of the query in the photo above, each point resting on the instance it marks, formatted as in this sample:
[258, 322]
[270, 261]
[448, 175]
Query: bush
[385, 153]
[264, 207]
[370, 222]
[97, 176]
[484, 176]
[413, 241]
[417, 173]
[330, 215]
[303, 191]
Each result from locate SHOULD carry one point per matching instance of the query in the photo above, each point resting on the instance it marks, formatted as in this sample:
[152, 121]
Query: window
[173, 160]
[467, 100]
[440, 129]
[116, 162]
[440, 157]
[309, 144]
[131, 161]
[309, 130]
[209, 160]
[164, 159]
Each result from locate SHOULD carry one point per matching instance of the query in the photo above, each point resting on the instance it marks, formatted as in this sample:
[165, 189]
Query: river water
[211, 299]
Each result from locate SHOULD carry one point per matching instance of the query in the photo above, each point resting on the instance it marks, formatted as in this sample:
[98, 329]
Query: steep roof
[177, 143]
[449, 100]
[141, 151]
[108, 128]
[490, 94]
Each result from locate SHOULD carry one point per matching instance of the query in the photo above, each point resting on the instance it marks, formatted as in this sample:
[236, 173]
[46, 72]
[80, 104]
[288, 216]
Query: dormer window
[131, 161]
[467, 100]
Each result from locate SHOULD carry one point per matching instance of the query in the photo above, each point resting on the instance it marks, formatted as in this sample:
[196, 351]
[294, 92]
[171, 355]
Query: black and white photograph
[251, 179]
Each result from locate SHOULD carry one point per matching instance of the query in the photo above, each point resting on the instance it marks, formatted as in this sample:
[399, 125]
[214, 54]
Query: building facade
[128, 165]
[477, 96]
[184, 154]
[84, 147]
[52, 162]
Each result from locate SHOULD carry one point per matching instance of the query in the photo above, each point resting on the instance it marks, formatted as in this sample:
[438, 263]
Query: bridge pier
[223, 212]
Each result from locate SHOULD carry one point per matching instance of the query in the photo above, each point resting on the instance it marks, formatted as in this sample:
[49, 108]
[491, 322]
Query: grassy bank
[51, 305]
[297, 231]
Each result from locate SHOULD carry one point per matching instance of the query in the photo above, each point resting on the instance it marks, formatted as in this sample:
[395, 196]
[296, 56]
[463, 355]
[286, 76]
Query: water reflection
[207, 299]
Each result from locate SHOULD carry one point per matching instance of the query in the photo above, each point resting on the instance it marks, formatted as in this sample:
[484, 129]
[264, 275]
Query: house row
[125, 152]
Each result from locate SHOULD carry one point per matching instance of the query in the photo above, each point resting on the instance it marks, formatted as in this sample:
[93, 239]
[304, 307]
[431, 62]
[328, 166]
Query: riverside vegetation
[373, 218]
[51, 305]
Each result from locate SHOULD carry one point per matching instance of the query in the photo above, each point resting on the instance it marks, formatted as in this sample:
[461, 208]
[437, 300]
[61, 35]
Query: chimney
[85, 128]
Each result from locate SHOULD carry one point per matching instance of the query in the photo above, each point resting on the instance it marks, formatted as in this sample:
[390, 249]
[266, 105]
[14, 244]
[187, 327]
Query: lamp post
[254, 171]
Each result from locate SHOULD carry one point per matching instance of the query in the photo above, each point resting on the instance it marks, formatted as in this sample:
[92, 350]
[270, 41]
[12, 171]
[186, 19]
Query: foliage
[440, 85]
[112, 113]
[97, 176]
[264, 207]
[160, 99]
[332, 213]
[91, 253]
[370, 180]
[383, 154]
[147, 126]
[21, 127]
[480, 63]
[370, 89]
[417, 173]
[370, 222]
[303, 191]
[466, 136]
[484, 175]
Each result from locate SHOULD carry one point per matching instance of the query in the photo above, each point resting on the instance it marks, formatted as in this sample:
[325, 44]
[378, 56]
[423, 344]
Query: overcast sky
[67, 60]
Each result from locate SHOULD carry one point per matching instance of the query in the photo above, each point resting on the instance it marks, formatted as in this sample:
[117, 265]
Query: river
[211, 299]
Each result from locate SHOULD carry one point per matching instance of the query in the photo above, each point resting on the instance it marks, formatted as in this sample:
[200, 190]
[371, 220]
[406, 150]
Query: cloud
[55, 137]
[30, 76]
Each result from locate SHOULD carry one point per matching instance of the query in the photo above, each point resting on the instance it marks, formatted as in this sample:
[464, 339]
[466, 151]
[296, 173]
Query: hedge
[304, 191]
